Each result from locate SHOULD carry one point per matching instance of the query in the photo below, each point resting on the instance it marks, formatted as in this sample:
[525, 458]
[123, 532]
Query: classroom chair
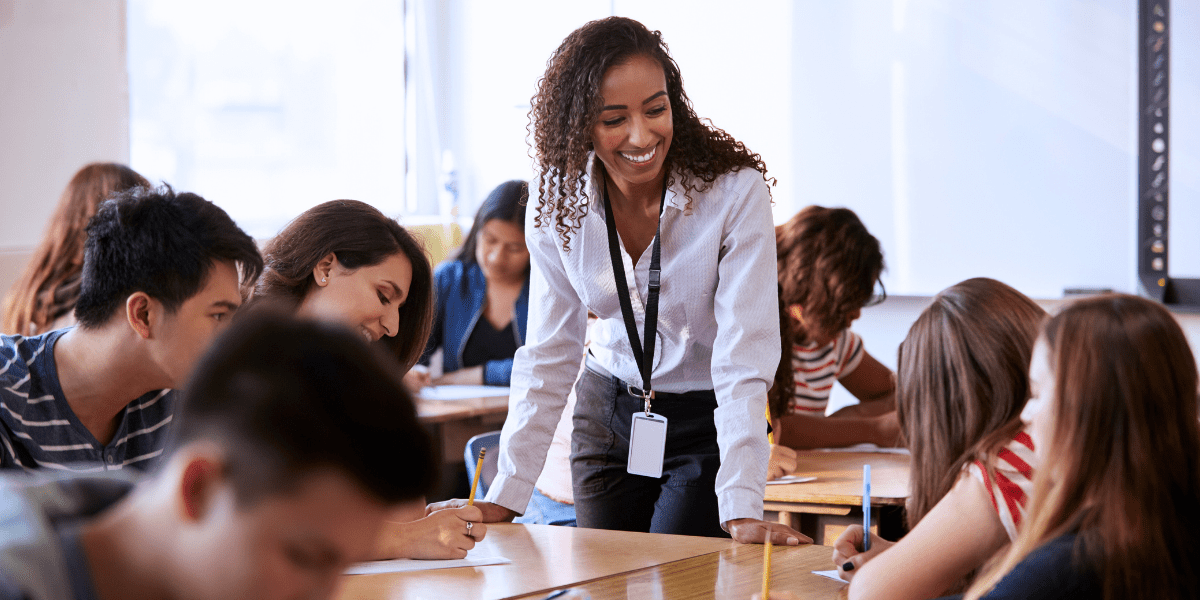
[491, 441]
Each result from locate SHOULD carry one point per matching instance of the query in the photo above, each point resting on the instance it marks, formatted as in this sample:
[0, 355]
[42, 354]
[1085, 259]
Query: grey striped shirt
[38, 429]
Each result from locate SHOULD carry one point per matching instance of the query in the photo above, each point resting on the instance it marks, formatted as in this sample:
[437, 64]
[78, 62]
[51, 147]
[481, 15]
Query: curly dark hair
[567, 105]
[828, 264]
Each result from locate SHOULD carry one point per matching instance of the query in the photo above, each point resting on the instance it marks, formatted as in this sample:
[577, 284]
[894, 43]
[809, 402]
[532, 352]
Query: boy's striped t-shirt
[39, 430]
[817, 368]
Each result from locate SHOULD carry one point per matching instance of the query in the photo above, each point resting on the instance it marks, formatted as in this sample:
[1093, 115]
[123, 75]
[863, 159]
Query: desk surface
[731, 574]
[440, 411]
[839, 479]
[544, 557]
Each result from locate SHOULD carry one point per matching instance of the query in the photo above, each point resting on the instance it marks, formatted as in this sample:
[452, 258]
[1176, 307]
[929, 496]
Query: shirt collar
[675, 198]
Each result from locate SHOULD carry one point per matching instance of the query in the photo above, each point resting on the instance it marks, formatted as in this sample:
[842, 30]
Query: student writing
[482, 296]
[346, 262]
[962, 385]
[160, 279]
[1113, 512]
[293, 445]
[829, 265]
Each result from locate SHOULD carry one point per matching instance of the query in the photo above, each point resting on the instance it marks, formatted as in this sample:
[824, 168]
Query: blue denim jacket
[457, 312]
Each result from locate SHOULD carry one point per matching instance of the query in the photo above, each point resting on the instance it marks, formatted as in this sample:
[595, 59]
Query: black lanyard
[644, 360]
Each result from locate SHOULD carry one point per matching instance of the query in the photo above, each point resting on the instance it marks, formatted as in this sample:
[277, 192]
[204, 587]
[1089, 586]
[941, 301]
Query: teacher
[659, 224]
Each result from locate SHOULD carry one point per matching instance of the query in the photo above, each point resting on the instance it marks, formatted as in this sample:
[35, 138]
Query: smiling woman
[345, 261]
[636, 192]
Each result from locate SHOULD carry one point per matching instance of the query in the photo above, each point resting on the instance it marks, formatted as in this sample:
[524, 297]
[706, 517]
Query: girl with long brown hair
[829, 265]
[644, 213]
[961, 386]
[43, 298]
[346, 262]
[1114, 514]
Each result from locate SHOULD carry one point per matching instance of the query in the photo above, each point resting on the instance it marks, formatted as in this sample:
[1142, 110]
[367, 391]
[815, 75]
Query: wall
[883, 327]
[64, 102]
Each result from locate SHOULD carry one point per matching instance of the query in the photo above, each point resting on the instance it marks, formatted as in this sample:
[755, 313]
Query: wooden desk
[544, 558]
[731, 574]
[825, 506]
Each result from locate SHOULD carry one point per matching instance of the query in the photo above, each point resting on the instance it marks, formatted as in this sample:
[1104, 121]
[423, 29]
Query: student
[615, 137]
[43, 298]
[483, 295]
[160, 279]
[828, 268]
[962, 384]
[293, 444]
[344, 261]
[1114, 513]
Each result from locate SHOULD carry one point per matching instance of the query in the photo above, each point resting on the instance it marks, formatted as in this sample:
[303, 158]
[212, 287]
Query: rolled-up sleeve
[745, 353]
[543, 370]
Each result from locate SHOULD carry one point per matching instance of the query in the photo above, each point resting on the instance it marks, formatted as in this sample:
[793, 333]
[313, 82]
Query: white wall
[883, 327]
[64, 102]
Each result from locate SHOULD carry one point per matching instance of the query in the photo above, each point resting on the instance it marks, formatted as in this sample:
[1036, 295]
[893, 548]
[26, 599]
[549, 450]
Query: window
[268, 108]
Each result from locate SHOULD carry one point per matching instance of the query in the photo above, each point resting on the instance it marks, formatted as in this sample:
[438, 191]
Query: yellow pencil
[766, 591]
[770, 436]
[475, 481]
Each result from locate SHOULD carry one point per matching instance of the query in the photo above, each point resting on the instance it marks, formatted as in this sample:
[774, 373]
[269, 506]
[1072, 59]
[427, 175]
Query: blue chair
[491, 441]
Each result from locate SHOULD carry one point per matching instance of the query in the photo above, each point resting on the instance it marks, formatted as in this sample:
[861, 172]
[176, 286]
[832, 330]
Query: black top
[1050, 571]
[488, 343]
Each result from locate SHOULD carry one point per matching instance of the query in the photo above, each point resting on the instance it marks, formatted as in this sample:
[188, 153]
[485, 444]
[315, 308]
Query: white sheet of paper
[406, 565]
[867, 447]
[791, 479]
[832, 574]
[462, 392]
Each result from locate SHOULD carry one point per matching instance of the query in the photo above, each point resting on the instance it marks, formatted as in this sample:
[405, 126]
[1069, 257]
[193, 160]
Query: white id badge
[647, 444]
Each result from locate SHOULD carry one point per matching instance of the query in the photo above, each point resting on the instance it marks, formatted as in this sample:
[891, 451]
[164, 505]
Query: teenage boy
[294, 443]
[160, 278]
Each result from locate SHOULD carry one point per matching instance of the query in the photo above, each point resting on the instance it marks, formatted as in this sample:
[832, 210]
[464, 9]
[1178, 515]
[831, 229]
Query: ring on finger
[469, 526]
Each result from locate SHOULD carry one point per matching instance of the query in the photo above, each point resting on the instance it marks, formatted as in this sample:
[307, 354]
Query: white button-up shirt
[718, 328]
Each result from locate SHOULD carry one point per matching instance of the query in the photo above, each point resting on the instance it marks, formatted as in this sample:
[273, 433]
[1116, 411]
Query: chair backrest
[491, 441]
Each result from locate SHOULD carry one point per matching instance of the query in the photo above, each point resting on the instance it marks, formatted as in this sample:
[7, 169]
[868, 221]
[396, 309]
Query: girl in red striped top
[963, 380]
[828, 265]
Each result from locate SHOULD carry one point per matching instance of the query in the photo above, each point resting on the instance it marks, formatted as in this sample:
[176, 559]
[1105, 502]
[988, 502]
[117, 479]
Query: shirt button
[110, 459]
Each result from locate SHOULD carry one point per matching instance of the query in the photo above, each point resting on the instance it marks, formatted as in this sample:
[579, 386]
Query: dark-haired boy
[294, 443]
[160, 279]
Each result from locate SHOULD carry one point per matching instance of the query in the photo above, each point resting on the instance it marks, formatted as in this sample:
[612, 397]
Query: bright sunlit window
[268, 108]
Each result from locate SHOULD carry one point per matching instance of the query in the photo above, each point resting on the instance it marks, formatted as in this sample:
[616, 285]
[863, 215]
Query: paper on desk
[868, 447]
[406, 565]
[791, 479]
[462, 392]
[832, 574]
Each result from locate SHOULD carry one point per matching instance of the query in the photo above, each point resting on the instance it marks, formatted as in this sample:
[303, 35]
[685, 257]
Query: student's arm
[875, 387]
[802, 432]
[440, 535]
[492, 372]
[873, 420]
[959, 535]
[464, 376]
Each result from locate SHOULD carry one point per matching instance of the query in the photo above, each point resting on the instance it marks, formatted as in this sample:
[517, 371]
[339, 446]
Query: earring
[322, 280]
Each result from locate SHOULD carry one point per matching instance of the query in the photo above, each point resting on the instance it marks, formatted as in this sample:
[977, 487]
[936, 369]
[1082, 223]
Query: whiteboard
[990, 138]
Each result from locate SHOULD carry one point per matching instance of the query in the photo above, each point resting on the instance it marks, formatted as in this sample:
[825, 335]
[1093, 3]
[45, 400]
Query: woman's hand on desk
[782, 462]
[845, 550]
[755, 531]
[492, 513]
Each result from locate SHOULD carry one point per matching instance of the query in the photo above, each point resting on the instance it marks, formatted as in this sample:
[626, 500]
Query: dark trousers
[682, 501]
